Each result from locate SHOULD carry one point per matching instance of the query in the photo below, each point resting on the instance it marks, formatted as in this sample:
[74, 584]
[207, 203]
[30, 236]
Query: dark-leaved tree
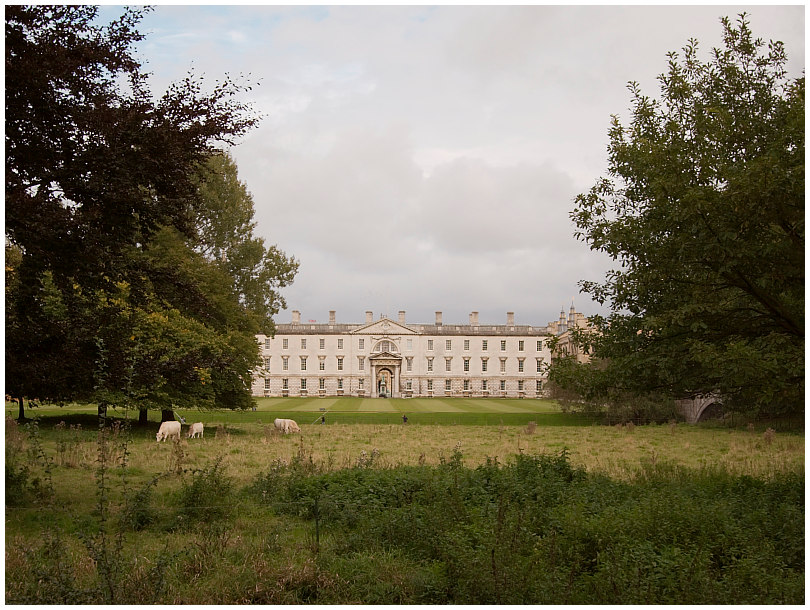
[106, 298]
[704, 212]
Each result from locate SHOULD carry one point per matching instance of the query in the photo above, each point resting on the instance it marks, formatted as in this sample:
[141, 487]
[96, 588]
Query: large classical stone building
[392, 358]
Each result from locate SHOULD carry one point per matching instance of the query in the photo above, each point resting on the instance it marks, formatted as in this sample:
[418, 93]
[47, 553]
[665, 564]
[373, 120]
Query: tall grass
[382, 514]
[538, 531]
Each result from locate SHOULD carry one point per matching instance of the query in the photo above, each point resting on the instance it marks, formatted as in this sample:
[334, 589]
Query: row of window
[285, 364]
[389, 346]
[484, 387]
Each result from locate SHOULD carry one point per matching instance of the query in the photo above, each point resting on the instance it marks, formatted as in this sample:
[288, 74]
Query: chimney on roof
[296, 317]
[474, 318]
[369, 317]
[332, 317]
[510, 318]
[438, 318]
[402, 317]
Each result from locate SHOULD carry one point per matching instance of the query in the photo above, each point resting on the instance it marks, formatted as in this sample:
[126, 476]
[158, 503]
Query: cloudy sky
[426, 158]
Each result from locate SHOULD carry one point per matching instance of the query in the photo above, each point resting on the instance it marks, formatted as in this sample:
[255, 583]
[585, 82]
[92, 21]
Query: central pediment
[385, 356]
[384, 327]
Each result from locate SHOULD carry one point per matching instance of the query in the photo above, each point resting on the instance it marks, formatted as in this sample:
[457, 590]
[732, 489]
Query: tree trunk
[21, 416]
[167, 415]
[102, 412]
[143, 417]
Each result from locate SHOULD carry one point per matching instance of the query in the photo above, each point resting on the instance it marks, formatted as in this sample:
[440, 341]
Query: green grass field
[228, 518]
[352, 410]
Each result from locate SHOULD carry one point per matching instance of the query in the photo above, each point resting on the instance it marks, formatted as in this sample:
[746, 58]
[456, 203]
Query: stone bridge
[694, 408]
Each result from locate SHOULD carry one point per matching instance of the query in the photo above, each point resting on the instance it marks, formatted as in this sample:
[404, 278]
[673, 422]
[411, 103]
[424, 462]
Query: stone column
[396, 383]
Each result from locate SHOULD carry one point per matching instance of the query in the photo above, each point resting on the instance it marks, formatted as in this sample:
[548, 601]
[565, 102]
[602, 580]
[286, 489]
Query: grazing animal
[286, 425]
[195, 430]
[167, 429]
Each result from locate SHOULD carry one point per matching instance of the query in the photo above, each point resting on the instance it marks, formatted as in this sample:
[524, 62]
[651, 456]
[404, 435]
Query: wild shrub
[15, 438]
[105, 544]
[18, 476]
[178, 456]
[303, 462]
[29, 473]
[73, 447]
[50, 568]
[366, 460]
[538, 530]
[138, 512]
[383, 578]
[205, 550]
[19, 491]
[208, 496]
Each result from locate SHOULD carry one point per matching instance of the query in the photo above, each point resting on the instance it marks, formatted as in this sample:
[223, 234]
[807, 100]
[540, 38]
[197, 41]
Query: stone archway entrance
[385, 369]
[384, 383]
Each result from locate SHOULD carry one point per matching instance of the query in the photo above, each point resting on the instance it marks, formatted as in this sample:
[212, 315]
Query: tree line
[134, 277]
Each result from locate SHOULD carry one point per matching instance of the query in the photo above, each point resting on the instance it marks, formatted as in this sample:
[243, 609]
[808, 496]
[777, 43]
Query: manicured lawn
[353, 410]
[408, 405]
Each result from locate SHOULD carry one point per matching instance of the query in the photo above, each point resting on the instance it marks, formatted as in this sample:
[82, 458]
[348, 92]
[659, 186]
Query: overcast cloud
[426, 158]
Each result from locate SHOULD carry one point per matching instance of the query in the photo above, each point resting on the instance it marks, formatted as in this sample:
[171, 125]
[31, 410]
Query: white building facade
[394, 359]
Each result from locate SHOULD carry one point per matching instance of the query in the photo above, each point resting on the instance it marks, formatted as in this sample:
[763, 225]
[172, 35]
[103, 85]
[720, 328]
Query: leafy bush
[208, 496]
[137, 512]
[24, 450]
[16, 485]
[537, 530]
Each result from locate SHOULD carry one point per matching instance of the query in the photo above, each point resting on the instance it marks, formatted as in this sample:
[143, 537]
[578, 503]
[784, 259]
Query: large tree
[225, 229]
[703, 210]
[106, 298]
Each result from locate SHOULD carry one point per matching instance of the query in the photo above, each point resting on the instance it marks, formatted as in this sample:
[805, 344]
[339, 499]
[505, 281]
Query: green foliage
[208, 497]
[537, 531]
[704, 213]
[53, 567]
[138, 512]
[107, 299]
[17, 470]
[588, 388]
[225, 229]
[382, 578]
[532, 530]
[18, 485]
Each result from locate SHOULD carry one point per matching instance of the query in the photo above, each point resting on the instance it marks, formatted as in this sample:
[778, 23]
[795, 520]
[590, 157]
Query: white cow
[286, 425]
[195, 430]
[167, 429]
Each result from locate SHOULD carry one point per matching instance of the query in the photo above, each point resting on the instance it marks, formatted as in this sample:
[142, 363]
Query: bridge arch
[693, 409]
